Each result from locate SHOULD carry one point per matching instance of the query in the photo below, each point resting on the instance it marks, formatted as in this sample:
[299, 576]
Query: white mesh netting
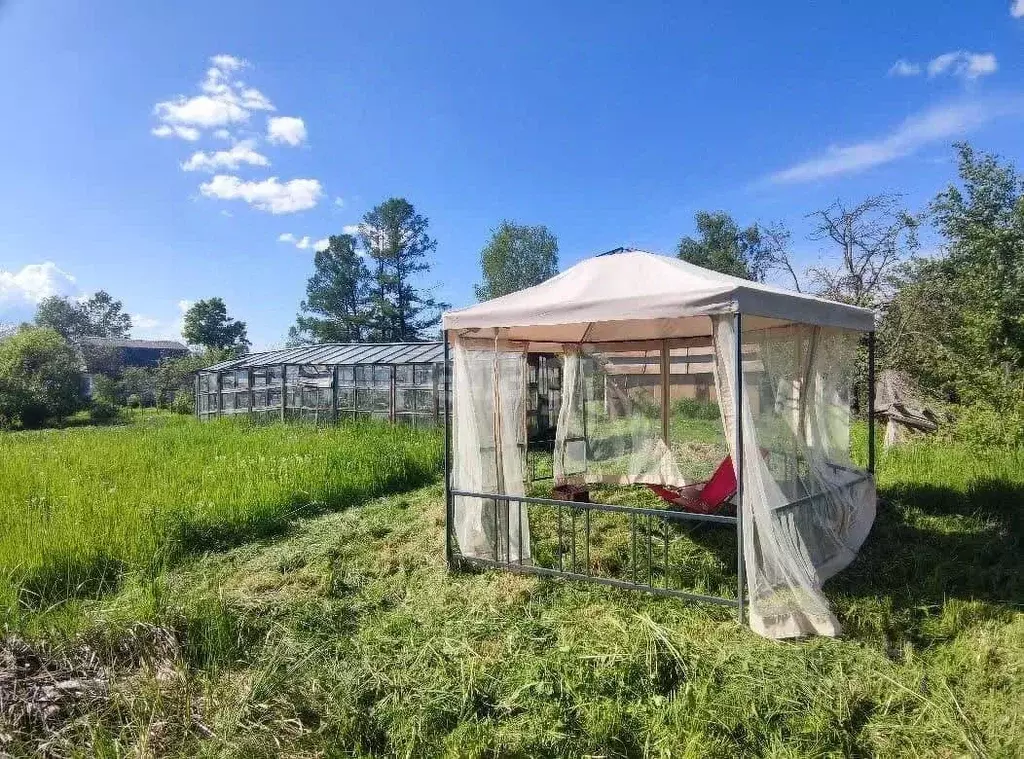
[489, 440]
[806, 507]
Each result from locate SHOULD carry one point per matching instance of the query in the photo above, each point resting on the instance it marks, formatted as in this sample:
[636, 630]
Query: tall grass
[79, 507]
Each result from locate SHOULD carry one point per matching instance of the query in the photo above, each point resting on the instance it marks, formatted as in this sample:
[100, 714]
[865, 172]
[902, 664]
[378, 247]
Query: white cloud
[186, 133]
[304, 242]
[32, 283]
[1017, 9]
[340, 202]
[289, 130]
[147, 327]
[267, 195]
[229, 62]
[222, 134]
[937, 124]
[903, 67]
[242, 152]
[350, 229]
[963, 64]
[142, 323]
[224, 101]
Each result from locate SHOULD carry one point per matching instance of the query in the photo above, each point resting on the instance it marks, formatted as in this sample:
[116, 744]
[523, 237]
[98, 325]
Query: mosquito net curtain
[806, 508]
[489, 438]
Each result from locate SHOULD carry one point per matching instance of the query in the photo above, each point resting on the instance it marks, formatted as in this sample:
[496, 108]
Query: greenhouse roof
[339, 353]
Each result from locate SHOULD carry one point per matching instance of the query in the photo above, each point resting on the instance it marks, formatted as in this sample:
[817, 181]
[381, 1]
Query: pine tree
[336, 308]
[395, 240]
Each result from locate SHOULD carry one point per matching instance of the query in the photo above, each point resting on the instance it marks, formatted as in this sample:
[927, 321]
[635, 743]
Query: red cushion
[721, 487]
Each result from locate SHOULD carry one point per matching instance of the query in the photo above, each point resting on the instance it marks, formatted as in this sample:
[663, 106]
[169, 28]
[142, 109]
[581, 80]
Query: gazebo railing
[645, 562]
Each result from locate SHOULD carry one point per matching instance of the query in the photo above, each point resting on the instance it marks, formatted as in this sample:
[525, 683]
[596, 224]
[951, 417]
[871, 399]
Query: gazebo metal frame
[644, 522]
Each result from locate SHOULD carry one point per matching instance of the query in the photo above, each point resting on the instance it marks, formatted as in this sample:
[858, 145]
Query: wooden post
[666, 381]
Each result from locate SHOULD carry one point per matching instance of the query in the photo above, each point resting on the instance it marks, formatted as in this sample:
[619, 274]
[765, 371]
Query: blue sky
[611, 123]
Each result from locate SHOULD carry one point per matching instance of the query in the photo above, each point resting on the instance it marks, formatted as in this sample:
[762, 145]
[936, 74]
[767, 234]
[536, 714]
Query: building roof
[340, 353]
[635, 295]
[118, 342]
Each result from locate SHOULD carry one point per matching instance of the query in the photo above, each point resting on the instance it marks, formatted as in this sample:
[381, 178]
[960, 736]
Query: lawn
[321, 630]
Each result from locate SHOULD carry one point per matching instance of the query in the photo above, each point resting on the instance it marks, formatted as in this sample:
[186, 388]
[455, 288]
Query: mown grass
[347, 636]
[80, 507]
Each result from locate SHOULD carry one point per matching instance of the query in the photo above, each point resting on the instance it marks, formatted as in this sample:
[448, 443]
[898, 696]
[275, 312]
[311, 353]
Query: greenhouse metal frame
[396, 382]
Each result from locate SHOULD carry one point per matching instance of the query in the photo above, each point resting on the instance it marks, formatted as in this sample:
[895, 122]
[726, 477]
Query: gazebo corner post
[448, 500]
[737, 399]
[871, 402]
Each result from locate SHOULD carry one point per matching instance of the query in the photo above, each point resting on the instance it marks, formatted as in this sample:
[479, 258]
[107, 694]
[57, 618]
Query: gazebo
[628, 327]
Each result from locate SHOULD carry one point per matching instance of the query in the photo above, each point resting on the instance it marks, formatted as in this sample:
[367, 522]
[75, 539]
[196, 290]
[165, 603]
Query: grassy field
[298, 627]
[80, 507]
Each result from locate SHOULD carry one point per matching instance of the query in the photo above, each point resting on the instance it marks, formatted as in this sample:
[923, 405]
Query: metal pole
[737, 464]
[284, 390]
[871, 402]
[448, 501]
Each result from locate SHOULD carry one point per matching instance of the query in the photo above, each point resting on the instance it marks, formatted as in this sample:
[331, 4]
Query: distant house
[110, 355]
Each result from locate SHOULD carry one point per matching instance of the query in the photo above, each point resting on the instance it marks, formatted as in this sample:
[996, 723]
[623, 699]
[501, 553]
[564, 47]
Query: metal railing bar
[586, 546]
[608, 507]
[546, 572]
[561, 541]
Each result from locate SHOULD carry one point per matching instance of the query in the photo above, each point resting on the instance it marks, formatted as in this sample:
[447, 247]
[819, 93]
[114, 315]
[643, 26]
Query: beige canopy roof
[636, 295]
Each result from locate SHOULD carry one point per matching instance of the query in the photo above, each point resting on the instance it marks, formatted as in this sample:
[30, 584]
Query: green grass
[346, 636]
[79, 507]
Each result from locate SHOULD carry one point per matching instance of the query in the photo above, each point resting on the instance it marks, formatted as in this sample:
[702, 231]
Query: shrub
[983, 426]
[184, 402]
[134, 401]
[102, 411]
[691, 408]
[104, 390]
[40, 378]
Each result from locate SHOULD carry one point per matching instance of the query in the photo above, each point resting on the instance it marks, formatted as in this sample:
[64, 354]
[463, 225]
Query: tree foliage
[516, 257]
[394, 239]
[98, 316]
[957, 320]
[39, 378]
[722, 246]
[207, 325]
[336, 308]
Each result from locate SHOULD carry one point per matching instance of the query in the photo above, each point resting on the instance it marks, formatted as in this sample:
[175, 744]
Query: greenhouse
[397, 382]
[669, 373]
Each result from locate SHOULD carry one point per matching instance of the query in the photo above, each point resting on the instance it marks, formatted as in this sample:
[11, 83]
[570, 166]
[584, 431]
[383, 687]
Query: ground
[337, 630]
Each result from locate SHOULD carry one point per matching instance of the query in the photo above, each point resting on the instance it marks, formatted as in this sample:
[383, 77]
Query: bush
[691, 408]
[184, 402]
[101, 412]
[104, 390]
[39, 378]
[134, 401]
[983, 426]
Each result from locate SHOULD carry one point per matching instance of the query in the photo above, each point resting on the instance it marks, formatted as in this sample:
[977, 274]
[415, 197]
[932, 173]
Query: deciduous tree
[98, 316]
[207, 324]
[722, 246]
[516, 257]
